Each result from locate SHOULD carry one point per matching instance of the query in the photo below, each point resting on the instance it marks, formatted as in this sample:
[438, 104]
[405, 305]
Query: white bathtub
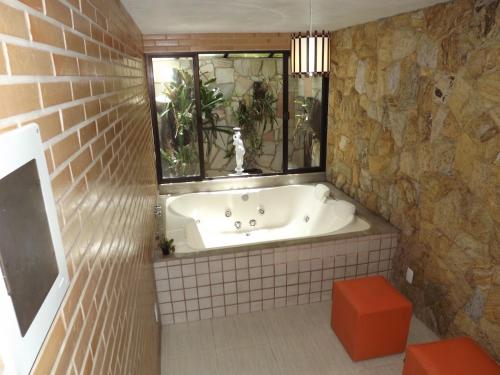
[204, 221]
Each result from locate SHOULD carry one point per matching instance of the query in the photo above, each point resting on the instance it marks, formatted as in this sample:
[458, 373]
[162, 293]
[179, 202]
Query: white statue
[239, 150]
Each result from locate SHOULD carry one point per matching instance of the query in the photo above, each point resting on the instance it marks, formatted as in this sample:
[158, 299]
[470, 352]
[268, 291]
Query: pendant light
[310, 52]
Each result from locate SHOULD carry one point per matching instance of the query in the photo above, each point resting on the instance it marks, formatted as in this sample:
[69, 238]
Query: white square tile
[352, 258]
[255, 284]
[216, 278]
[179, 306]
[280, 292]
[268, 293]
[230, 299]
[303, 299]
[339, 272]
[326, 295]
[188, 270]
[268, 304]
[268, 282]
[256, 295]
[316, 287]
[292, 254]
[326, 285]
[268, 271]
[291, 301]
[385, 244]
[316, 275]
[304, 265]
[203, 280]
[254, 261]
[304, 277]
[191, 293]
[362, 258]
[385, 254]
[292, 279]
[280, 269]
[361, 269]
[162, 285]
[241, 263]
[176, 284]
[205, 303]
[229, 288]
[280, 280]
[201, 259]
[187, 260]
[340, 261]
[304, 288]
[267, 259]
[206, 314]
[292, 290]
[219, 312]
[193, 316]
[328, 274]
[243, 297]
[374, 244]
[228, 264]
[304, 254]
[217, 289]
[373, 256]
[203, 291]
[177, 295]
[315, 297]
[255, 272]
[316, 264]
[373, 267]
[164, 297]
[242, 274]
[243, 308]
[161, 273]
[243, 286]
[292, 267]
[279, 256]
[350, 271]
[215, 266]
[190, 282]
[192, 305]
[165, 308]
[229, 276]
[217, 301]
[328, 262]
[174, 271]
[201, 268]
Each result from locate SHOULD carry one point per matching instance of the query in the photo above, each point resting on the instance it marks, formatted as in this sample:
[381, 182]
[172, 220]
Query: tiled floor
[290, 340]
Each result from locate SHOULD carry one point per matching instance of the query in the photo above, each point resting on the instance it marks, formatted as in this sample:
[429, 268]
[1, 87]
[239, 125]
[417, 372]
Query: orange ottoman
[458, 356]
[370, 317]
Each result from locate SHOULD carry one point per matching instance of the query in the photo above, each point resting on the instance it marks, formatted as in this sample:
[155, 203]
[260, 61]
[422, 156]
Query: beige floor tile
[251, 360]
[239, 331]
[192, 364]
[290, 340]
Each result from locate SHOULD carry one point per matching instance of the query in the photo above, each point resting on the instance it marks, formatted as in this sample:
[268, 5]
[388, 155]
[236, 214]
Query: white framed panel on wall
[34, 277]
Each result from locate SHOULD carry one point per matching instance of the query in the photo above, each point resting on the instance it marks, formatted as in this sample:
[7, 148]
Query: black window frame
[196, 76]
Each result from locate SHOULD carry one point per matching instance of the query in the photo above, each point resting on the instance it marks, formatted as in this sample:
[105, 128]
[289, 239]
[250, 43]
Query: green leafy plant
[255, 116]
[167, 246]
[178, 151]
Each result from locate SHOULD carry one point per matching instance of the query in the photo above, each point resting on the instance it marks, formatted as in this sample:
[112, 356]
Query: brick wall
[76, 68]
[161, 43]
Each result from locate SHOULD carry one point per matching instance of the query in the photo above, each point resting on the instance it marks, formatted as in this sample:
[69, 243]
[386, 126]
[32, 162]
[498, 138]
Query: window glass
[176, 116]
[305, 123]
[244, 91]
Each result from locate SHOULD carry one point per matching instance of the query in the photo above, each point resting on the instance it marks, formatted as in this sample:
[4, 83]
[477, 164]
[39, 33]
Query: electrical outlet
[409, 275]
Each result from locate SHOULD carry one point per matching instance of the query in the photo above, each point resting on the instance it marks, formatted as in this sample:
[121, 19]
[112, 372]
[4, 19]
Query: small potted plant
[167, 246]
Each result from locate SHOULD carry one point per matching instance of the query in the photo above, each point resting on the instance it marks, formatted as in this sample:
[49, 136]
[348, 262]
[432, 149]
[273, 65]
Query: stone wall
[414, 117]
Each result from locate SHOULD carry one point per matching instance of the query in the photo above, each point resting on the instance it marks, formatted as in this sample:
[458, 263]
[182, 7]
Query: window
[198, 98]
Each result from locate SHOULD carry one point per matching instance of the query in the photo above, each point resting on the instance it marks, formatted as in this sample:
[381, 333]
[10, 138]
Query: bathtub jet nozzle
[228, 212]
[237, 224]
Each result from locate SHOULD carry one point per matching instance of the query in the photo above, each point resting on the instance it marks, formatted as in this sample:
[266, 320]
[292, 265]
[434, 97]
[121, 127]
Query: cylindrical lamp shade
[310, 54]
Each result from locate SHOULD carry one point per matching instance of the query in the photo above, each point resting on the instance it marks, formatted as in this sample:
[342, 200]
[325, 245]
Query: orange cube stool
[458, 356]
[370, 317]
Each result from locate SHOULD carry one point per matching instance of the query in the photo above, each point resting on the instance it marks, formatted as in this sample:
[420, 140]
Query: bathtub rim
[377, 226]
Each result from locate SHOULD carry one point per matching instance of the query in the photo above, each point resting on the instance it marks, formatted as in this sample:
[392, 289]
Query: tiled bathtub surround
[206, 286]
